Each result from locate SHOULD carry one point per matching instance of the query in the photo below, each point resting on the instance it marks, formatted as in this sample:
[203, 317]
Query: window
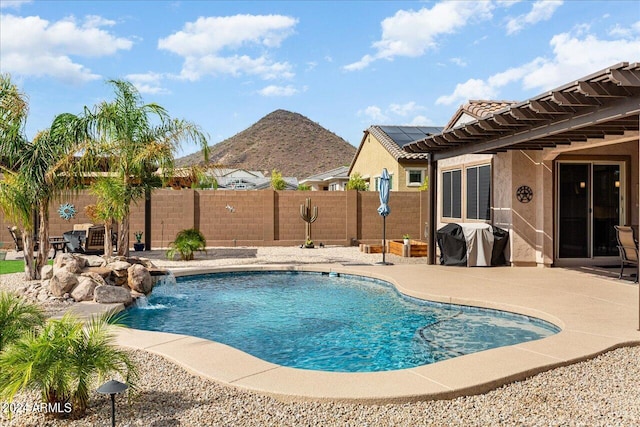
[415, 177]
[377, 182]
[452, 194]
[479, 192]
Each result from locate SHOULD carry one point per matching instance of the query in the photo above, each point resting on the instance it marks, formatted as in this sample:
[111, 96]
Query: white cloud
[404, 110]
[574, 56]
[36, 47]
[542, 10]
[13, 4]
[273, 90]
[148, 83]
[412, 33]
[203, 45]
[401, 114]
[195, 67]
[421, 121]
[471, 89]
[459, 62]
[373, 113]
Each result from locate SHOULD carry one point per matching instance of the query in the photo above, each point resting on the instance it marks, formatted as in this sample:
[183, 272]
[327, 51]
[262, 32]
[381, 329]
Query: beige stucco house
[558, 171]
[381, 147]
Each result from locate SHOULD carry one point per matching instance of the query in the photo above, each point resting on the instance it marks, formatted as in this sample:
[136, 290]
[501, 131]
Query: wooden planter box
[371, 249]
[416, 248]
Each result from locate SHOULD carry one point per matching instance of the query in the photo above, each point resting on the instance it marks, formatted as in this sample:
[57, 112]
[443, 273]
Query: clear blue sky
[344, 64]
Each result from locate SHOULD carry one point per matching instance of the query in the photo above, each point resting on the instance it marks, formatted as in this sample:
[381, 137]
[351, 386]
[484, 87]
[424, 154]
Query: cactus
[309, 218]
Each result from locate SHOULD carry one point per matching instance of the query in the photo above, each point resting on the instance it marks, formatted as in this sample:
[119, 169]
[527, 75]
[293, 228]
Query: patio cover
[604, 103]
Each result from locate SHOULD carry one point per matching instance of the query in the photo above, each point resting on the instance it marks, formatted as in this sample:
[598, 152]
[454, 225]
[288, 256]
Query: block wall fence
[260, 217]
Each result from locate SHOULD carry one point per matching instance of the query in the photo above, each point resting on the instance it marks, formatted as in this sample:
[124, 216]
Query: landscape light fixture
[112, 387]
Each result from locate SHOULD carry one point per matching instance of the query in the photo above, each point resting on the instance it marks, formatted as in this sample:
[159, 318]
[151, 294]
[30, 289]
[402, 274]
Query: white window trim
[423, 173]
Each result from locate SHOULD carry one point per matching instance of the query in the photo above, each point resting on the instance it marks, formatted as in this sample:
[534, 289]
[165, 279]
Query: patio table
[58, 244]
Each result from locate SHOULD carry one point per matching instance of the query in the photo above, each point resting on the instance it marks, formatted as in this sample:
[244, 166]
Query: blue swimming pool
[327, 322]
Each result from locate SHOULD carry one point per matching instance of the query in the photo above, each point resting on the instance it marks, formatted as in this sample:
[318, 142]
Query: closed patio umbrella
[384, 210]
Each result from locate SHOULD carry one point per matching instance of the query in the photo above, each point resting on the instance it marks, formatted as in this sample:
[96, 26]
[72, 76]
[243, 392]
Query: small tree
[356, 182]
[65, 361]
[277, 182]
[186, 243]
[304, 187]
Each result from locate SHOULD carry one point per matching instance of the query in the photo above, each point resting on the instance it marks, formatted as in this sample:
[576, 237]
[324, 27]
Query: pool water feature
[338, 323]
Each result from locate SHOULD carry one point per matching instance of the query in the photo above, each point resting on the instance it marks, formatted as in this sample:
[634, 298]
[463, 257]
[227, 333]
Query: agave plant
[64, 361]
[186, 243]
[16, 318]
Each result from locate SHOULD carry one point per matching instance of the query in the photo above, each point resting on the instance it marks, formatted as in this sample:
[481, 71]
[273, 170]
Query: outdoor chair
[17, 240]
[94, 243]
[627, 247]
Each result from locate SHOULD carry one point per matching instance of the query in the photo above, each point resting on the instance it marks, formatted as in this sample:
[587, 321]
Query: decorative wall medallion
[67, 211]
[524, 194]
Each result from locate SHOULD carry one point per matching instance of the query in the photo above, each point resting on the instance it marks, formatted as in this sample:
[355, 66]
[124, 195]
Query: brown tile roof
[478, 108]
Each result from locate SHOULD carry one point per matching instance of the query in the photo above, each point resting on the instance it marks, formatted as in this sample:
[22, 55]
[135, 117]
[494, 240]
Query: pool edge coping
[499, 366]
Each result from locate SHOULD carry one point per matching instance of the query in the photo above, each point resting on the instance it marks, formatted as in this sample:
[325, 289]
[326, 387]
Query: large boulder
[139, 279]
[46, 272]
[62, 282]
[84, 289]
[119, 272]
[106, 294]
[96, 277]
[94, 260]
[70, 262]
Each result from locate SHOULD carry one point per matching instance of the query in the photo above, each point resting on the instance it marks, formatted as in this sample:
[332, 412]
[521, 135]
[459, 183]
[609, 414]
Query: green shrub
[65, 360]
[17, 317]
[356, 182]
[186, 243]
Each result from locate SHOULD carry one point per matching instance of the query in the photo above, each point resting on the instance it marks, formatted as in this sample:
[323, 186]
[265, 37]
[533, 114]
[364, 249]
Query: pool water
[327, 322]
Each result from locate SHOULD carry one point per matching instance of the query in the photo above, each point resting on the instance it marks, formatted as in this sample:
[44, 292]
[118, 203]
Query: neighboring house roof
[477, 109]
[394, 138]
[334, 174]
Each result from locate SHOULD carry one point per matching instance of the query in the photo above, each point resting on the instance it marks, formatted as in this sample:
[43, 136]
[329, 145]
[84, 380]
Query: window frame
[478, 193]
[422, 172]
[449, 216]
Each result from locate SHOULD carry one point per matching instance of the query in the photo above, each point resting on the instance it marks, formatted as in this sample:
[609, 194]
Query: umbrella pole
[384, 238]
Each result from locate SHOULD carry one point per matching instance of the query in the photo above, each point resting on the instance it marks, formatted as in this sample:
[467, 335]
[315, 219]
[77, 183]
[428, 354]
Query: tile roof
[478, 108]
[341, 172]
[393, 138]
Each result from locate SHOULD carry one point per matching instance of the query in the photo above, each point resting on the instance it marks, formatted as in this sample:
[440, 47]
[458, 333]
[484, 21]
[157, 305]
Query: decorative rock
[43, 295]
[119, 268]
[85, 288]
[46, 272]
[106, 294]
[71, 262]
[96, 277]
[62, 281]
[103, 272]
[139, 279]
[94, 260]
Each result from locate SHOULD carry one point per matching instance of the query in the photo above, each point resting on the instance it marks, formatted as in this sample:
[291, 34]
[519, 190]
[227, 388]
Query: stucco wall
[373, 157]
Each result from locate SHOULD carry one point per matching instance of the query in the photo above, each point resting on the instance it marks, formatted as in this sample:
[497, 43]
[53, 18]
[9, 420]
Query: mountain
[282, 140]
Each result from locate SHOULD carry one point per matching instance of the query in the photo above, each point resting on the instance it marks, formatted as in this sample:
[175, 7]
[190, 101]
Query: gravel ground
[600, 392]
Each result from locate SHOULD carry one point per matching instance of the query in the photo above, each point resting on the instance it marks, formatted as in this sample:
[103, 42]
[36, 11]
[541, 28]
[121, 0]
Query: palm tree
[131, 140]
[64, 361]
[16, 318]
[28, 182]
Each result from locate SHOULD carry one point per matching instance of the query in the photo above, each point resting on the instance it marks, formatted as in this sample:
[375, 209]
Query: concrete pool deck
[595, 314]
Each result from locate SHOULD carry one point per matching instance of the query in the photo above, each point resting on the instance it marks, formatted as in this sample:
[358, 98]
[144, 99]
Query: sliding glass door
[590, 203]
